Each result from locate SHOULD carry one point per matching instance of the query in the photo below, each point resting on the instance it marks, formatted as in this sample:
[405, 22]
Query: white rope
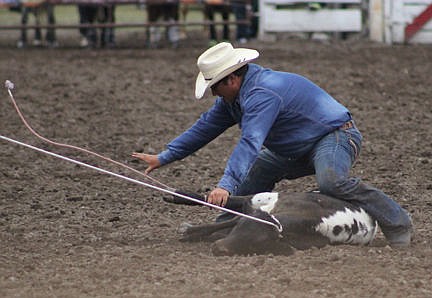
[9, 85]
[278, 226]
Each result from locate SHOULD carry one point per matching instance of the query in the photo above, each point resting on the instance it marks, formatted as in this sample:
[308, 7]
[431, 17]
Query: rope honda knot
[9, 85]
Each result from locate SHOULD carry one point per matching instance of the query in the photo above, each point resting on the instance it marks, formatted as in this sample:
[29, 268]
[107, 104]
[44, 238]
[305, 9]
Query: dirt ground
[69, 231]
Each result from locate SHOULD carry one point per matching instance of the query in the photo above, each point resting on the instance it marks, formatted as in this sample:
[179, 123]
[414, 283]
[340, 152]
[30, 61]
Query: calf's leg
[207, 232]
[250, 237]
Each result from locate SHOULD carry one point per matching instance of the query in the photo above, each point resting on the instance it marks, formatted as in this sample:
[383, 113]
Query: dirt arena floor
[69, 231]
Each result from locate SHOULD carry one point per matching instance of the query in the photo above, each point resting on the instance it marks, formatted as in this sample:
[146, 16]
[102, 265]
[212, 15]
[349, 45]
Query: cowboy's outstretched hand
[151, 160]
[218, 196]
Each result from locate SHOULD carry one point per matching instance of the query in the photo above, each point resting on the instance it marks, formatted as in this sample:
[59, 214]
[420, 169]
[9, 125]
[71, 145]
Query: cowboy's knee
[329, 183]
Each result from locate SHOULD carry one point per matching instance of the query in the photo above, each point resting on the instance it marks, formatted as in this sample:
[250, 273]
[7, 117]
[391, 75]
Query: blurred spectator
[217, 6]
[107, 15]
[168, 10]
[13, 5]
[38, 8]
[253, 30]
[92, 13]
[184, 10]
[242, 10]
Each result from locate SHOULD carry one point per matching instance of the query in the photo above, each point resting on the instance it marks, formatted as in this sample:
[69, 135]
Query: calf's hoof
[219, 249]
[191, 233]
[183, 228]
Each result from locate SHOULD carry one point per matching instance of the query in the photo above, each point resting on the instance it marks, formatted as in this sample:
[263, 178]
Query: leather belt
[347, 125]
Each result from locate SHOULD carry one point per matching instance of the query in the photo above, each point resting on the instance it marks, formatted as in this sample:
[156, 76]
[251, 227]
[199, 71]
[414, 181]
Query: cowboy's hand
[218, 196]
[151, 160]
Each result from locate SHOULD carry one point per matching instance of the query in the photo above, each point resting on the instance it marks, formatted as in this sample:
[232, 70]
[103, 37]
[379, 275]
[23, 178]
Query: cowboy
[290, 128]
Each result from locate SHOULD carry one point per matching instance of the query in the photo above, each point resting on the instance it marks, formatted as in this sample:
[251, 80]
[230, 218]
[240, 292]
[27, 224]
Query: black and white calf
[308, 220]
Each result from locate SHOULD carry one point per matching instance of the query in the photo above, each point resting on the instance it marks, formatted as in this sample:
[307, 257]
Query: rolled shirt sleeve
[259, 113]
[210, 125]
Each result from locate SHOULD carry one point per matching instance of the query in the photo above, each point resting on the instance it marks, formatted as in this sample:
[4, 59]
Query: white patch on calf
[266, 201]
[348, 226]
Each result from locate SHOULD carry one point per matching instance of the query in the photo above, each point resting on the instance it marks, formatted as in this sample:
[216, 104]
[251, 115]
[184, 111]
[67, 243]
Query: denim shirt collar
[235, 108]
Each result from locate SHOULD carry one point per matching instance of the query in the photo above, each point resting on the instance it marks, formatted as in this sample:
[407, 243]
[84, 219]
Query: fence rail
[121, 25]
[10, 3]
[297, 16]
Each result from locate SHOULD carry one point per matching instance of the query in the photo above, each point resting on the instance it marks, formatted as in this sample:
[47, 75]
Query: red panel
[418, 22]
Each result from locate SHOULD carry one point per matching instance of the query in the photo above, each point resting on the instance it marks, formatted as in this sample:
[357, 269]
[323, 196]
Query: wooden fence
[299, 16]
[204, 22]
[401, 21]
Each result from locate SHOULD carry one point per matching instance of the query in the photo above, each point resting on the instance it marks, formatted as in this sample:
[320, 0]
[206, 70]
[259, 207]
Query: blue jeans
[330, 160]
[239, 10]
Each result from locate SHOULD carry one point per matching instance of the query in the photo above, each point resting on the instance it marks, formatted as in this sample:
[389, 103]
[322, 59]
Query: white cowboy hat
[218, 62]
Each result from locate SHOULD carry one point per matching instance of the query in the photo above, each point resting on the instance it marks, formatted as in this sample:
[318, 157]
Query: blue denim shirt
[284, 112]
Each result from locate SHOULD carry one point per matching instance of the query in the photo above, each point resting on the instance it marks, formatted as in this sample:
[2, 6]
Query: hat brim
[243, 55]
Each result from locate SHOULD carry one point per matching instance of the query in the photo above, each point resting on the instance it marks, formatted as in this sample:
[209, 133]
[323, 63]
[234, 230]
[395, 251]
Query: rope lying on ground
[9, 85]
[277, 224]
